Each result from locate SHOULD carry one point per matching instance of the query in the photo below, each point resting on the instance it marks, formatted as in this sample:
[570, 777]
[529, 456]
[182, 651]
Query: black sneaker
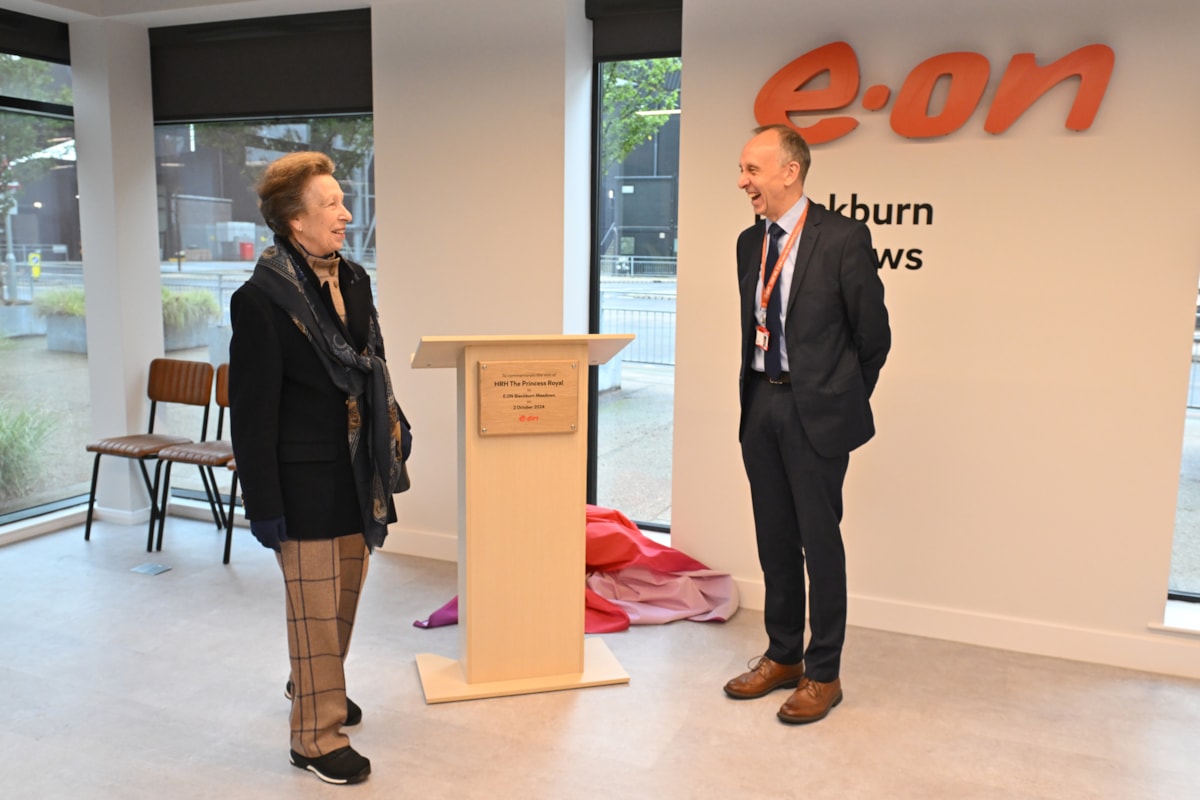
[341, 766]
[353, 712]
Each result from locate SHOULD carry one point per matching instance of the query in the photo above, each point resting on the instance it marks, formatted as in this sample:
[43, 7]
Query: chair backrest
[222, 397]
[223, 386]
[174, 380]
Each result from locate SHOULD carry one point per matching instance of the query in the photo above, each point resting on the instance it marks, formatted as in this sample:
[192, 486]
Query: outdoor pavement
[634, 435]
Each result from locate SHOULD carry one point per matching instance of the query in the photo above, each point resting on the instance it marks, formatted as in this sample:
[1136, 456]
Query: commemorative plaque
[524, 397]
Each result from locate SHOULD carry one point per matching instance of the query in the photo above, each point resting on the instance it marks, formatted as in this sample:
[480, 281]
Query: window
[44, 399]
[636, 239]
[211, 231]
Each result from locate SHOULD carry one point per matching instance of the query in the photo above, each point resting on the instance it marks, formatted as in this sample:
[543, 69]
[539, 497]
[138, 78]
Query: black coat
[837, 331]
[288, 419]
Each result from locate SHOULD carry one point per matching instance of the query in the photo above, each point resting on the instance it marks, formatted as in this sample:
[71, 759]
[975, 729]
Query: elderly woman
[319, 441]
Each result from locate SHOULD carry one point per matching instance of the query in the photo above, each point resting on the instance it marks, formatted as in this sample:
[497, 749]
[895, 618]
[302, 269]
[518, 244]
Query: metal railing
[635, 266]
[654, 341]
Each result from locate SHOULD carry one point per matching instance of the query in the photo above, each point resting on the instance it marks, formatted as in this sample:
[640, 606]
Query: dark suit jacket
[288, 420]
[837, 332]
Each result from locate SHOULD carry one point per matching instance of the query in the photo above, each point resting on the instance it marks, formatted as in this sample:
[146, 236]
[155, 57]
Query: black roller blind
[299, 65]
[34, 37]
[630, 29]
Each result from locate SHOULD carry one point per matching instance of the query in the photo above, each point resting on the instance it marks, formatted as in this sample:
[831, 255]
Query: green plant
[630, 89]
[187, 308]
[64, 302]
[22, 434]
[180, 309]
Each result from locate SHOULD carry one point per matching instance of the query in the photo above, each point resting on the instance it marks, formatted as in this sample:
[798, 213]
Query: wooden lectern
[522, 494]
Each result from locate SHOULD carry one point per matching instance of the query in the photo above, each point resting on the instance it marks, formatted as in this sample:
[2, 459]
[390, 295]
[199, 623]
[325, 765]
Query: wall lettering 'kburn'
[1022, 84]
[874, 214]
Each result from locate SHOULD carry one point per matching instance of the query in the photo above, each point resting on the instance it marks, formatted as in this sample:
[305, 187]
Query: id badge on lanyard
[762, 336]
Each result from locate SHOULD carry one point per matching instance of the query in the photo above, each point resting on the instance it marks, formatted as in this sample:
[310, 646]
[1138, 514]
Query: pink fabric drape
[632, 579]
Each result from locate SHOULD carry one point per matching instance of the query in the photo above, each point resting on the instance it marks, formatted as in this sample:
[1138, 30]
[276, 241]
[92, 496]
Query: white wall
[472, 187]
[1021, 491]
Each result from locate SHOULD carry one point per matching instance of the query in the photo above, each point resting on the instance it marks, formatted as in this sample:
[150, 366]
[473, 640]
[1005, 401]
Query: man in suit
[814, 337]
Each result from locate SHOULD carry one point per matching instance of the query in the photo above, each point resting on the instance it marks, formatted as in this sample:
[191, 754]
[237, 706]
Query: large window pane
[44, 401]
[211, 232]
[637, 213]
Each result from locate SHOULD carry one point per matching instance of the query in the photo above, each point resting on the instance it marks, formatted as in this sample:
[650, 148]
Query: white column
[118, 211]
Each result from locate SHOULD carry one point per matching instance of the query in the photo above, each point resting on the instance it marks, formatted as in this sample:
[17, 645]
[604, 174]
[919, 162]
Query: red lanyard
[769, 284]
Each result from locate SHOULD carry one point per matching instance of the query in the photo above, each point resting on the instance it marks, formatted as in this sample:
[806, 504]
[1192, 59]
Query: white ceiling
[172, 12]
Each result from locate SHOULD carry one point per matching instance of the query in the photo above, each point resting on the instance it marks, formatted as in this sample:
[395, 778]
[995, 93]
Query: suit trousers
[796, 495]
[323, 579]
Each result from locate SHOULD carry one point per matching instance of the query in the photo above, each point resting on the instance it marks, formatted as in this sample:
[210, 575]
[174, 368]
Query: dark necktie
[773, 362]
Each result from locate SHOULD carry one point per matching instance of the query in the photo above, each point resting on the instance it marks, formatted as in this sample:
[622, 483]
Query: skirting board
[443, 682]
[438, 546]
[1159, 648]
[1149, 650]
[47, 523]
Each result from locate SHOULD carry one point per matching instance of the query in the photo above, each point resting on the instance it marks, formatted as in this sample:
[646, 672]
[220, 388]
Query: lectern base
[443, 681]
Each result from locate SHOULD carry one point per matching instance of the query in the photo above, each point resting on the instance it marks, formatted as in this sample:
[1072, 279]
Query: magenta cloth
[446, 615]
[634, 580]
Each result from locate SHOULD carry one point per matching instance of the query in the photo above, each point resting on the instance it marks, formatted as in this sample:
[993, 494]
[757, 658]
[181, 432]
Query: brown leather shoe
[811, 701]
[764, 677]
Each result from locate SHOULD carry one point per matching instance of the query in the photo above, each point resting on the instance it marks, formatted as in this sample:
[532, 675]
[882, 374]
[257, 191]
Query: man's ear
[792, 172]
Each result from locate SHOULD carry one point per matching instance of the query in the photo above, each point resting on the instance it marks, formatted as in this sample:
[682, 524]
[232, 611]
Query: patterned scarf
[372, 411]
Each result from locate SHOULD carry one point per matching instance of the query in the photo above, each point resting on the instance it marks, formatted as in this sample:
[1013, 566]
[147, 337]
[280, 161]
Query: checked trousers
[323, 579]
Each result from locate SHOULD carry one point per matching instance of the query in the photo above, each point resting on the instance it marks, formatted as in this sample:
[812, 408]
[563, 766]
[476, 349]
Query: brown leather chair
[204, 454]
[170, 381]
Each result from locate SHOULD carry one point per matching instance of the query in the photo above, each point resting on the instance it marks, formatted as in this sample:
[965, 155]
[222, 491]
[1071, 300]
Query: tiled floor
[117, 684]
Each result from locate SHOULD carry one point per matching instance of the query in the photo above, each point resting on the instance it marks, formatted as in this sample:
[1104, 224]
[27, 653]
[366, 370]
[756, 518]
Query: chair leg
[166, 495]
[229, 516]
[87, 528]
[151, 488]
[154, 507]
[214, 499]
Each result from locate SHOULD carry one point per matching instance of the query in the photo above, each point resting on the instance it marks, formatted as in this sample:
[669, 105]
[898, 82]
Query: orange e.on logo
[1022, 84]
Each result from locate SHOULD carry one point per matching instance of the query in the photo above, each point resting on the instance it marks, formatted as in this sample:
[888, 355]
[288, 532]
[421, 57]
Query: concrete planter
[218, 343]
[66, 334]
[185, 338]
[609, 376]
[20, 320]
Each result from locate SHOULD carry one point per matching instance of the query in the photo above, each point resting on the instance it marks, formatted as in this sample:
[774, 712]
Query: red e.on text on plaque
[1022, 84]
